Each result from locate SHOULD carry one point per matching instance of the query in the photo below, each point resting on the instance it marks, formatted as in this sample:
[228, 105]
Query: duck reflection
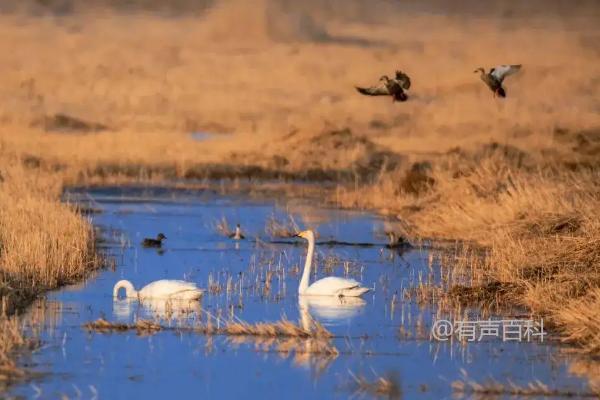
[167, 310]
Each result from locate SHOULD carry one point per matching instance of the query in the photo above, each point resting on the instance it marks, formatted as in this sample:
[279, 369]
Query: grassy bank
[538, 228]
[45, 243]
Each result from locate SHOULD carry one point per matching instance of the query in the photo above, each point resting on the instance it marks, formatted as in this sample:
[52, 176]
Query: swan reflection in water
[167, 310]
[318, 353]
[331, 310]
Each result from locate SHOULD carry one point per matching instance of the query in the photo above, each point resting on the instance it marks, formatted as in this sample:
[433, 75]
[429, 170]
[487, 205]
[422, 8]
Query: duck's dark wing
[491, 81]
[403, 80]
[151, 243]
[502, 71]
[374, 91]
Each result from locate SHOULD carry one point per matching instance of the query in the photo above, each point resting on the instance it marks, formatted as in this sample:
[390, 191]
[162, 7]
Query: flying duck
[390, 87]
[148, 242]
[495, 77]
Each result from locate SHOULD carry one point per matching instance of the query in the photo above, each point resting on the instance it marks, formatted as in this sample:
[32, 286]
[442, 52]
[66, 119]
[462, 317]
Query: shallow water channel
[81, 364]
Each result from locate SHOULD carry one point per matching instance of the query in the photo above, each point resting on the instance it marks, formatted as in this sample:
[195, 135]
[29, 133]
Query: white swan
[330, 286]
[163, 289]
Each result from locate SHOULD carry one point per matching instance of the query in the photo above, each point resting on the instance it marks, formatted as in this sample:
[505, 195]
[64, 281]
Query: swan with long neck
[164, 289]
[330, 286]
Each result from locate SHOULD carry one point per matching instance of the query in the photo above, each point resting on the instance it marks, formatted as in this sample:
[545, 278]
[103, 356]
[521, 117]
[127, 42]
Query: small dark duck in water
[149, 242]
[397, 241]
[495, 77]
[394, 87]
[237, 235]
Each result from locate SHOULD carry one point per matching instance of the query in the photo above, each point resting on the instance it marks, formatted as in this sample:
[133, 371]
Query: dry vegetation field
[274, 81]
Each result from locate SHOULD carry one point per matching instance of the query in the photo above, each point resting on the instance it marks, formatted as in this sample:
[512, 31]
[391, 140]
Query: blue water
[201, 136]
[77, 363]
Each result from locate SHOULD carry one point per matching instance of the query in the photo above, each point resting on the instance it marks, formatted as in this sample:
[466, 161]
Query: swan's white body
[330, 286]
[164, 289]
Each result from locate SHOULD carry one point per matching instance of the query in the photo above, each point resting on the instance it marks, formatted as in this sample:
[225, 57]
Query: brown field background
[276, 76]
[274, 80]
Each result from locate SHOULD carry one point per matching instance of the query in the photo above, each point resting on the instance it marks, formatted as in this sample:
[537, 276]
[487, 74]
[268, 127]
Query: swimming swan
[330, 286]
[163, 289]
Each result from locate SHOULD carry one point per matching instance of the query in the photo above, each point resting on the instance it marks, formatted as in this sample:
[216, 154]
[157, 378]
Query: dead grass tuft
[466, 386]
[287, 345]
[279, 329]
[278, 228]
[143, 327]
[491, 294]
[11, 339]
[580, 322]
[381, 387]
[222, 227]
[417, 180]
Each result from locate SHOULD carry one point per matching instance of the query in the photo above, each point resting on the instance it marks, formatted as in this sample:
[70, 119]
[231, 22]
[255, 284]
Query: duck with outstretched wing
[495, 77]
[394, 87]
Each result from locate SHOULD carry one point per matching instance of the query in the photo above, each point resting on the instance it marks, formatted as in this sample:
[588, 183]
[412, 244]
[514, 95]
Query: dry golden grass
[283, 328]
[587, 368]
[267, 96]
[278, 228]
[11, 339]
[539, 225]
[222, 227]
[579, 317]
[44, 243]
[469, 387]
[279, 329]
[143, 327]
[381, 387]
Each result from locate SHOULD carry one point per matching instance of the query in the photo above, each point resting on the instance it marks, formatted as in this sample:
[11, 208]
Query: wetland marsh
[384, 334]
